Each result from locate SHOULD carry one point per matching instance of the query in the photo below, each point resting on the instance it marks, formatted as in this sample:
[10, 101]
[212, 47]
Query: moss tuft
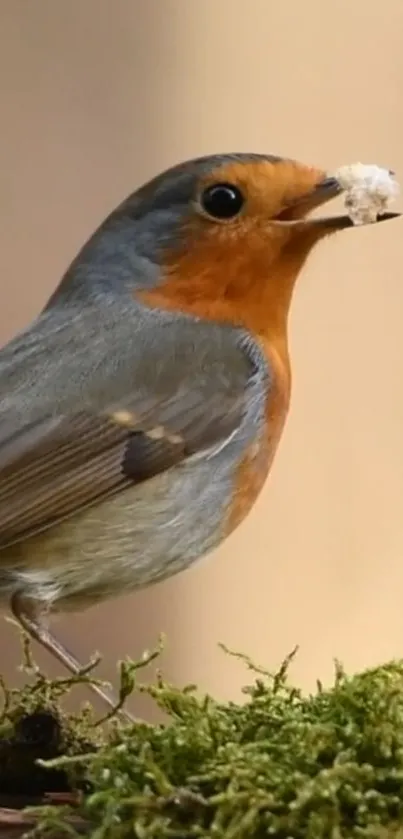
[282, 764]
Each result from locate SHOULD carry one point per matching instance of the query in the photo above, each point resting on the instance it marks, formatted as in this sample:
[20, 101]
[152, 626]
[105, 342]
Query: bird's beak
[297, 213]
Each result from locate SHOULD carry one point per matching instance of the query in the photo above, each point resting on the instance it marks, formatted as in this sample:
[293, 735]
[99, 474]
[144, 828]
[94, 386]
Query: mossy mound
[281, 765]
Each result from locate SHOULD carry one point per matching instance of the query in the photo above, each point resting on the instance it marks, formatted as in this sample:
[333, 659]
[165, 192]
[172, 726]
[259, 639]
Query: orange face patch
[240, 271]
[270, 187]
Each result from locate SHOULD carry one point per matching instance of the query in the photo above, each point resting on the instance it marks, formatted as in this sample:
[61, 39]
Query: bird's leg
[31, 618]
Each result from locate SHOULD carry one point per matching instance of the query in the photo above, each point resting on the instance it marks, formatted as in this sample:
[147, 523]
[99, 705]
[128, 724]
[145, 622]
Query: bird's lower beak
[298, 213]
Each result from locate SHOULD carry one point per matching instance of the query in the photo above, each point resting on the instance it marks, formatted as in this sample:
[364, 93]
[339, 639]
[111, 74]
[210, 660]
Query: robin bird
[141, 411]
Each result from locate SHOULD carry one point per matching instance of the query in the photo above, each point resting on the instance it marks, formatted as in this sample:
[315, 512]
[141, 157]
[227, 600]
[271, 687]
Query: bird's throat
[250, 293]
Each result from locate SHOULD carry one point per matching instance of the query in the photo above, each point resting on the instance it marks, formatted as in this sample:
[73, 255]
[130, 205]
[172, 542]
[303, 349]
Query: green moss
[282, 764]
[33, 727]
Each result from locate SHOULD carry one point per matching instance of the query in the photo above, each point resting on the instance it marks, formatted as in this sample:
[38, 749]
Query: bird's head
[222, 237]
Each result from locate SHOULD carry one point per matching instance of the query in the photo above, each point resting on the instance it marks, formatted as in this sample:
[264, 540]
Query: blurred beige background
[95, 97]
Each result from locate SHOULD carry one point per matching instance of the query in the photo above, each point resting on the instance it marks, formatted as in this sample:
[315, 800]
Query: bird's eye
[222, 201]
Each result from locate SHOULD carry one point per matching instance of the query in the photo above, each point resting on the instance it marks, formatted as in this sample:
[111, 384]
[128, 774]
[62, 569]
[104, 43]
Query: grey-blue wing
[76, 427]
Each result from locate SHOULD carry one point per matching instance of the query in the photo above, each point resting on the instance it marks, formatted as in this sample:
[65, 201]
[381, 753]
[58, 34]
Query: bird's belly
[144, 534]
[140, 536]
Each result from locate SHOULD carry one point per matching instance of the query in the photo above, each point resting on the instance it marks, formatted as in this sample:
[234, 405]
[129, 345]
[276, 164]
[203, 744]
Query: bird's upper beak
[297, 213]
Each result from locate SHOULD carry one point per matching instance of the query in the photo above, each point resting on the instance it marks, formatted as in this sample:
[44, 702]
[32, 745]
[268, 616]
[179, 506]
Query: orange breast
[255, 465]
